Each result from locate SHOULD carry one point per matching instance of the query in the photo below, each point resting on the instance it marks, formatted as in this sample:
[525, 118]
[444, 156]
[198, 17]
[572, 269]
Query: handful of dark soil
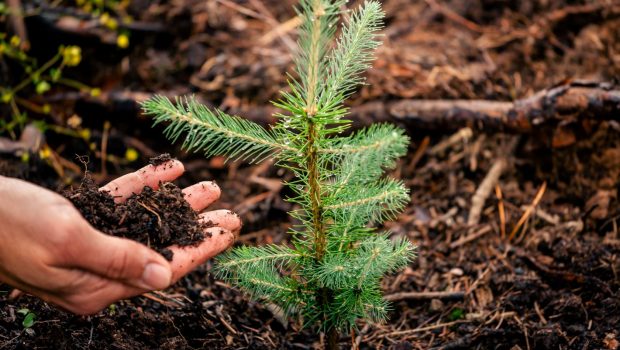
[156, 218]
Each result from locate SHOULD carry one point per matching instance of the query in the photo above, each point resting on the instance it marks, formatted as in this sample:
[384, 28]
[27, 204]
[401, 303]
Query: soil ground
[539, 269]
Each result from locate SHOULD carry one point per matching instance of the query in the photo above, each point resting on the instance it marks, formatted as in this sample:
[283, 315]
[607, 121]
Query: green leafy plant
[109, 13]
[29, 318]
[331, 272]
[39, 78]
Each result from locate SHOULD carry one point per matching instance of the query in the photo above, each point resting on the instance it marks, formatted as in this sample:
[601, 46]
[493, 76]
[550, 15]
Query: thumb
[120, 259]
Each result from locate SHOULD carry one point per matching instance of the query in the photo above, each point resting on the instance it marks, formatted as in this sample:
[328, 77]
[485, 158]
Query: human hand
[49, 250]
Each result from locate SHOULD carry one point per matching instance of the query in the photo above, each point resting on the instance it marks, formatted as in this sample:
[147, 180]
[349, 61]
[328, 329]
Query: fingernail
[156, 276]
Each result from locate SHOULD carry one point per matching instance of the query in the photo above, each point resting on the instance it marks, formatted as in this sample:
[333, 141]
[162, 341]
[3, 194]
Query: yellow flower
[45, 153]
[85, 134]
[122, 41]
[15, 41]
[131, 155]
[104, 18]
[42, 87]
[95, 92]
[6, 97]
[108, 21]
[71, 55]
[112, 24]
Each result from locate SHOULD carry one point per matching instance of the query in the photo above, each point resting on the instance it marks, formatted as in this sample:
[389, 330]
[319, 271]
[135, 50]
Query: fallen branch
[573, 101]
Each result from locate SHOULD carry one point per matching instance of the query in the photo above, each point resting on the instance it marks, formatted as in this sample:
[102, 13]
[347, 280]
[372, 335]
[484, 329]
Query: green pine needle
[212, 131]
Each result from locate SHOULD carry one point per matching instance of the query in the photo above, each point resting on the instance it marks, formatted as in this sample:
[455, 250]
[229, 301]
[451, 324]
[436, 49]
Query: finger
[186, 259]
[118, 259]
[92, 294]
[222, 218]
[15, 293]
[201, 195]
[126, 185]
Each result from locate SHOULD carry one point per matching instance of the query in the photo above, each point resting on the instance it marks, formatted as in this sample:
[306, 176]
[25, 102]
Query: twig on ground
[243, 10]
[501, 210]
[10, 341]
[524, 330]
[455, 17]
[419, 153]
[253, 235]
[458, 295]
[478, 280]
[552, 219]
[427, 328]
[218, 312]
[540, 313]
[280, 31]
[463, 134]
[152, 297]
[173, 298]
[528, 212]
[474, 151]
[489, 182]
[466, 239]
[484, 190]
[358, 339]
[251, 202]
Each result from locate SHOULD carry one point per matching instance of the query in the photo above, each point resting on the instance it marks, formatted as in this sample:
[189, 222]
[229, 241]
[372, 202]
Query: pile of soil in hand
[156, 218]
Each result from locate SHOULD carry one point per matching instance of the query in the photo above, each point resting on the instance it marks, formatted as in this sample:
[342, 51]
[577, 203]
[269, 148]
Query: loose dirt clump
[156, 218]
[160, 159]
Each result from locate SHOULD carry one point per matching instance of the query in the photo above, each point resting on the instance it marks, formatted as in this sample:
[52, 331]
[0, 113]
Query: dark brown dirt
[156, 218]
[160, 159]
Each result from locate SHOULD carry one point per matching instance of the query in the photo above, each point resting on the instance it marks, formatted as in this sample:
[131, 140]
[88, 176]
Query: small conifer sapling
[330, 273]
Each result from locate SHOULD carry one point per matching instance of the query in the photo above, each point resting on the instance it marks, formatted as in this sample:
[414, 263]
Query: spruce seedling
[331, 272]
